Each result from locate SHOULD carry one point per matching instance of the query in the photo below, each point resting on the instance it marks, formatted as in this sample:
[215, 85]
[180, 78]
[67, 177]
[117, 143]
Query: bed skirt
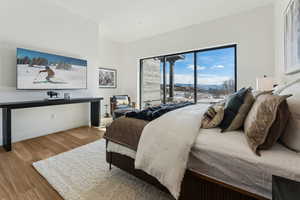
[194, 187]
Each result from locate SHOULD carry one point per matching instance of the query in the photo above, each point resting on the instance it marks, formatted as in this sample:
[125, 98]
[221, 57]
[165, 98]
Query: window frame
[234, 46]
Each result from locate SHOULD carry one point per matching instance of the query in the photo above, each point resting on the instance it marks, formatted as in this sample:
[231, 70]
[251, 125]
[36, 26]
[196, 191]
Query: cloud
[198, 67]
[203, 67]
[208, 79]
[217, 67]
[184, 78]
[203, 79]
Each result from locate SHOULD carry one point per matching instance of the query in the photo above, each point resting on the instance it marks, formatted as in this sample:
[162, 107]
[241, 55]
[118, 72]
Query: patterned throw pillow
[213, 116]
[266, 121]
[240, 117]
[236, 109]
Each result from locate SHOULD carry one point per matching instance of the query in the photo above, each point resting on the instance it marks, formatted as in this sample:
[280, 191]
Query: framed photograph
[107, 78]
[43, 71]
[292, 37]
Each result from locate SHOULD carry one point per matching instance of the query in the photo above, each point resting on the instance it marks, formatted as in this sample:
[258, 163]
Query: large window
[198, 76]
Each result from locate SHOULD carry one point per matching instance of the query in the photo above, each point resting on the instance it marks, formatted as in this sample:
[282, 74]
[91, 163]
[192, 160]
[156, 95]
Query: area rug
[83, 174]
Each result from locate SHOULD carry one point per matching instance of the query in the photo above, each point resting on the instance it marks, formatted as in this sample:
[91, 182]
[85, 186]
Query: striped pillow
[213, 116]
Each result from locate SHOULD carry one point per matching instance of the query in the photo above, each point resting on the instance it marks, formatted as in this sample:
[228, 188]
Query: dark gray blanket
[154, 112]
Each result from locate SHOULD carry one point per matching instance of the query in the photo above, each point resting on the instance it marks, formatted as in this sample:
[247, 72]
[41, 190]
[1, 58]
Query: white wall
[280, 7]
[37, 25]
[252, 31]
[110, 56]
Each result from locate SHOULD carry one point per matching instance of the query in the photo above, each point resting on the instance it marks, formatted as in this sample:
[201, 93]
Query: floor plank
[20, 181]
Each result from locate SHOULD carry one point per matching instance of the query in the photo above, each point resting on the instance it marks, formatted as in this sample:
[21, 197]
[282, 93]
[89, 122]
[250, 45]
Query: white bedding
[227, 158]
[165, 144]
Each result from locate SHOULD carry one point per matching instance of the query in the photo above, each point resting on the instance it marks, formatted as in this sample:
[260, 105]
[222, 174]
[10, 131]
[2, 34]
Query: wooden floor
[19, 180]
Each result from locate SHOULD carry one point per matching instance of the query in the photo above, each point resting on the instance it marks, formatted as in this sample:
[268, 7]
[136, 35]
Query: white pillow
[278, 89]
[291, 137]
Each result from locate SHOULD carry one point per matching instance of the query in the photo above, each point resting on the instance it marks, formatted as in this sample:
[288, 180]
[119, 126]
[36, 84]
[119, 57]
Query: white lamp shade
[264, 84]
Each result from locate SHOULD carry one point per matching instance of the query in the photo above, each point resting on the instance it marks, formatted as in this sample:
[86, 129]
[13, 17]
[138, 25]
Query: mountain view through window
[202, 76]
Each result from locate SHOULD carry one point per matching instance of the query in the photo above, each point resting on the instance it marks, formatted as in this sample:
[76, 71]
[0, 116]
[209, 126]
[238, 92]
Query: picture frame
[36, 70]
[107, 77]
[292, 37]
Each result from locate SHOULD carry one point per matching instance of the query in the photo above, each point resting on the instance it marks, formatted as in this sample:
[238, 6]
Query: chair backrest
[118, 100]
[121, 99]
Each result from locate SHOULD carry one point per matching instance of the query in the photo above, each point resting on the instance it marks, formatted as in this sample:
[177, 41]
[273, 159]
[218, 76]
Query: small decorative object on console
[52, 95]
[67, 96]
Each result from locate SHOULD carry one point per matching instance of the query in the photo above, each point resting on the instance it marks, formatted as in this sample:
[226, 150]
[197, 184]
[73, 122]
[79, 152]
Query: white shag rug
[83, 174]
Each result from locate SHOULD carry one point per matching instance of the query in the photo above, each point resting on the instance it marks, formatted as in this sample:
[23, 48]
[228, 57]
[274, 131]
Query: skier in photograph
[50, 73]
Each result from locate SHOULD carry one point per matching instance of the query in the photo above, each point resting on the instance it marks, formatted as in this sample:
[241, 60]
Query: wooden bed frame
[194, 187]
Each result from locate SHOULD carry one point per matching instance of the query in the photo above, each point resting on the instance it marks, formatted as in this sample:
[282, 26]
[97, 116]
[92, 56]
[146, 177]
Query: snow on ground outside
[75, 78]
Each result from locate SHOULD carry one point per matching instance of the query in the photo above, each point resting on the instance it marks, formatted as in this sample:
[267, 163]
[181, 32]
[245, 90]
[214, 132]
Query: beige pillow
[257, 93]
[266, 121]
[291, 138]
[278, 127]
[213, 116]
[239, 119]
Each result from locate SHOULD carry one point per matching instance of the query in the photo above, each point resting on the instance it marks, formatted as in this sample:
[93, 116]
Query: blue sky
[214, 67]
[21, 53]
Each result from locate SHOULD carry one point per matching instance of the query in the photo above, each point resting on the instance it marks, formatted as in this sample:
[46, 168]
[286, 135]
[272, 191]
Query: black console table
[7, 107]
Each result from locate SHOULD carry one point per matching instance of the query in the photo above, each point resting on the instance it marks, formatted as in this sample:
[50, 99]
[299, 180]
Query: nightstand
[285, 189]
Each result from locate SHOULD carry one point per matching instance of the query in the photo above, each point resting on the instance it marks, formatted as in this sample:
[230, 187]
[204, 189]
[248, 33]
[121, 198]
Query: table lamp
[264, 84]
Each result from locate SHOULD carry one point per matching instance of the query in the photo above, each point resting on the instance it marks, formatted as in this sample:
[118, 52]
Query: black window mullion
[235, 68]
[141, 82]
[164, 80]
[195, 77]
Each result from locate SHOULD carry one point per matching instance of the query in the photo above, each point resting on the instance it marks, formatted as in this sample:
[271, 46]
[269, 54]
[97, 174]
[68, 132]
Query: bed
[220, 166]
[214, 160]
[195, 185]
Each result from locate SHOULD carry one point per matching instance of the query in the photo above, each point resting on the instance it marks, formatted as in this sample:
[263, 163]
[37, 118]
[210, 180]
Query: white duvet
[165, 144]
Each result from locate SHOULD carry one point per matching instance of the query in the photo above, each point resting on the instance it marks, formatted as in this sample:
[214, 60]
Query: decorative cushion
[212, 117]
[239, 119]
[256, 93]
[233, 104]
[278, 127]
[266, 121]
[291, 138]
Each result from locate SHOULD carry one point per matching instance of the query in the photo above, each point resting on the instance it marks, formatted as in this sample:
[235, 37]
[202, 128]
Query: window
[179, 76]
[215, 74]
[152, 81]
[198, 76]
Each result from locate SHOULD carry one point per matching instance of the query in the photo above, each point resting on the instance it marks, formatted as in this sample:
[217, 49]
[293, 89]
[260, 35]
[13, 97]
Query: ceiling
[130, 20]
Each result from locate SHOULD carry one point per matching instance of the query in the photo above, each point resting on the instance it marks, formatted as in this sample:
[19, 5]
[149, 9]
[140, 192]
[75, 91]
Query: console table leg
[6, 127]
[95, 114]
